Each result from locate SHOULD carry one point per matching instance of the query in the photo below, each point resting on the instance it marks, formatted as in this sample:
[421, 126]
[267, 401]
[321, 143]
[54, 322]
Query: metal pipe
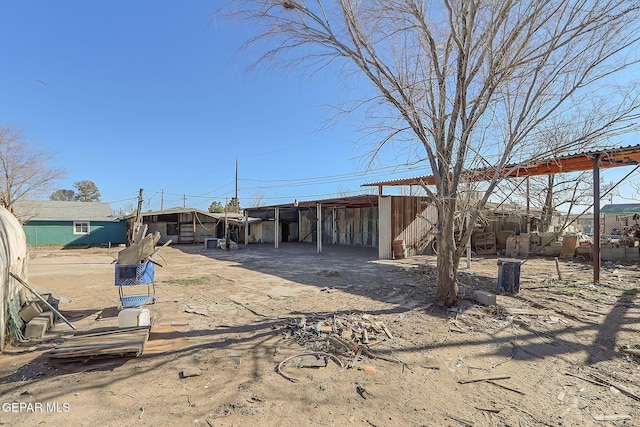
[596, 219]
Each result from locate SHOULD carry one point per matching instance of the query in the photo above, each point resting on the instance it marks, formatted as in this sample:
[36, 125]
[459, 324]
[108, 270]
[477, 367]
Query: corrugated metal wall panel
[413, 220]
[307, 226]
[385, 227]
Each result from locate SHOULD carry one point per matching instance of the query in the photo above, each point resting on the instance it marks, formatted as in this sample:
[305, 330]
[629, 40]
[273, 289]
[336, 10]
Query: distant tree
[25, 170]
[127, 210]
[636, 186]
[256, 198]
[216, 207]
[64, 195]
[344, 192]
[233, 205]
[87, 191]
[552, 192]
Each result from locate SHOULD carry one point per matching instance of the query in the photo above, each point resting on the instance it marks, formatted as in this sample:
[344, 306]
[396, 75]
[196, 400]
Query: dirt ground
[559, 352]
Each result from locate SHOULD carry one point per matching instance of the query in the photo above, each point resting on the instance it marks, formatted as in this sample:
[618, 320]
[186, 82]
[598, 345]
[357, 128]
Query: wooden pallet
[484, 243]
[121, 342]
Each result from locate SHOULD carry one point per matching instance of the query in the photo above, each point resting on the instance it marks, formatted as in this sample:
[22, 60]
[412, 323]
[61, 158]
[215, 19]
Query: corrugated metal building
[365, 220]
[189, 225]
[69, 223]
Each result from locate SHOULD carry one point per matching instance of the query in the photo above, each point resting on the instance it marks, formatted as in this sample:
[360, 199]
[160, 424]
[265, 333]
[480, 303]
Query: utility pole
[137, 224]
[237, 201]
[161, 199]
[226, 225]
[184, 200]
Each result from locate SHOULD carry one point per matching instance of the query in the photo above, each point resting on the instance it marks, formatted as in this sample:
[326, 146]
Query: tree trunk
[447, 262]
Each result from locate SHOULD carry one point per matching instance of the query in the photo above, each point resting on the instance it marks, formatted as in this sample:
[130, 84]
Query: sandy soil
[559, 352]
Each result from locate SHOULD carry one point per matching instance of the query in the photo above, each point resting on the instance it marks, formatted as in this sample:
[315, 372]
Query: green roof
[54, 210]
[621, 208]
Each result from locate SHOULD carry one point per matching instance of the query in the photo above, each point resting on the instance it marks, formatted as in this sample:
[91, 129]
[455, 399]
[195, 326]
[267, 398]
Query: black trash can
[509, 275]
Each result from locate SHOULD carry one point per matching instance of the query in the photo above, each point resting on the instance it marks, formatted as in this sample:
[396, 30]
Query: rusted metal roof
[342, 202]
[610, 158]
[232, 217]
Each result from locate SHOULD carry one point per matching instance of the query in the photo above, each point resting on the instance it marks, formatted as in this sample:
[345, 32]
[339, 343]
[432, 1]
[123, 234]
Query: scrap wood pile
[347, 339]
[142, 246]
[141, 250]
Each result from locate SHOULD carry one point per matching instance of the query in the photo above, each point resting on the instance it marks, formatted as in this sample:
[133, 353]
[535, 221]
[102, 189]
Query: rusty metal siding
[342, 226]
[369, 223]
[307, 226]
[327, 226]
[353, 226]
[413, 220]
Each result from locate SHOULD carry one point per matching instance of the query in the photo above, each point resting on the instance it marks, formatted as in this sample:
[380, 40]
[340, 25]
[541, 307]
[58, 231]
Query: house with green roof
[69, 223]
[621, 218]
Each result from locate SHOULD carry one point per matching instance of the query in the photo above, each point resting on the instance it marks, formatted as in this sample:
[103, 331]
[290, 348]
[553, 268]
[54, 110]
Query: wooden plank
[99, 351]
[109, 338]
[97, 346]
[109, 331]
[474, 380]
[105, 339]
[100, 344]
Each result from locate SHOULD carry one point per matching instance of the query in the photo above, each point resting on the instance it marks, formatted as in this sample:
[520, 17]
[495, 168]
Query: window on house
[80, 227]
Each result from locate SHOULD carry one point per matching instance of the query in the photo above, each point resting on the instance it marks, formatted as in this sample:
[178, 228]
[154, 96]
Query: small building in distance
[621, 219]
[69, 223]
[190, 225]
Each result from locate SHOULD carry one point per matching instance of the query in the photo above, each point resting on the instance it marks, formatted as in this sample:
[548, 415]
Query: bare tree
[470, 81]
[256, 198]
[549, 193]
[636, 186]
[26, 171]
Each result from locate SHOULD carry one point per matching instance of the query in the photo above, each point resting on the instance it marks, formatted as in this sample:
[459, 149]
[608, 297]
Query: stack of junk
[135, 277]
[134, 270]
[36, 315]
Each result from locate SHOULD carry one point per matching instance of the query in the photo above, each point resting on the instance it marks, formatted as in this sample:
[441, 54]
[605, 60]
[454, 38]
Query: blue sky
[155, 95]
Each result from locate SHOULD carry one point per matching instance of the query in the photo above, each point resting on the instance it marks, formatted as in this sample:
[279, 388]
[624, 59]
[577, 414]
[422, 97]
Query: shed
[364, 220]
[190, 225]
[621, 219]
[69, 223]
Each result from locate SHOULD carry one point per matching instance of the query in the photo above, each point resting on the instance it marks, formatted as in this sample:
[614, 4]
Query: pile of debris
[345, 338]
[31, 317]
